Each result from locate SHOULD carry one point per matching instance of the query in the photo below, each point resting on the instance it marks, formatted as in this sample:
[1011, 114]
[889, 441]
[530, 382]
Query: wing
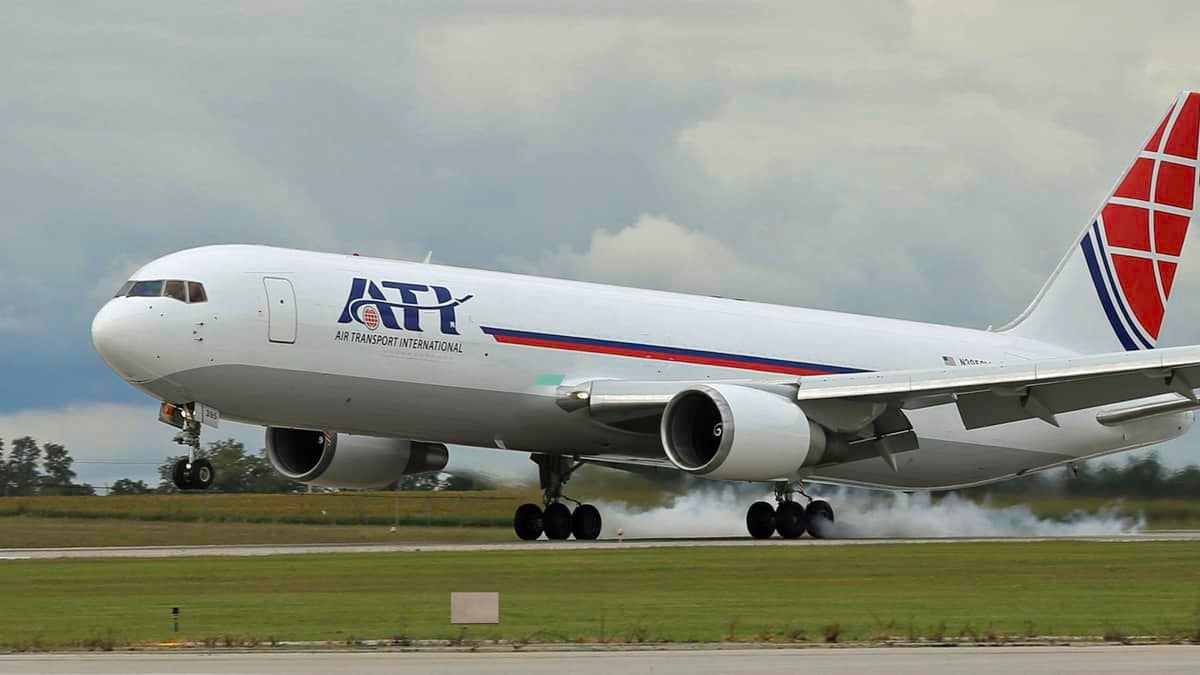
[985, 395]
[991, 395]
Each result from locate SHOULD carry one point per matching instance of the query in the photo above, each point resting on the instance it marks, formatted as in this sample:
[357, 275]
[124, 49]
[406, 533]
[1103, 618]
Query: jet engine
[328, 459]
[732, 432]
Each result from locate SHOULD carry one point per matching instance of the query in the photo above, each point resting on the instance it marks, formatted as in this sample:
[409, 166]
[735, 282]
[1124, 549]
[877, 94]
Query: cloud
[923, 160]
[12, 324]
[655, 252]
[909, 141]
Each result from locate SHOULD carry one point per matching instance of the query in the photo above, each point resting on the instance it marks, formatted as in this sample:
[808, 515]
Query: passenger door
[281, 310]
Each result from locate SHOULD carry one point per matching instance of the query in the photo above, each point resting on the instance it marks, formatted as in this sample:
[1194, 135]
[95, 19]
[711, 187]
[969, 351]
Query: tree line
[32, 469]
[27, 468]
[1144, 477]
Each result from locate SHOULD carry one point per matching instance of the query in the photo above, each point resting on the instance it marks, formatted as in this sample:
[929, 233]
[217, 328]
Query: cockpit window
[146, 289]
[175, 290]
[183, 291]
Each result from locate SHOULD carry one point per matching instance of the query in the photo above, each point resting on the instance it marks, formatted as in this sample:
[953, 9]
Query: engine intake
[328, 459]
[731, 432]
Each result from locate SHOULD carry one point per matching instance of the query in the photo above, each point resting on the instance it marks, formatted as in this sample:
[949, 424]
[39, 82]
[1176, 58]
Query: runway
[896, 661]
[305, 549]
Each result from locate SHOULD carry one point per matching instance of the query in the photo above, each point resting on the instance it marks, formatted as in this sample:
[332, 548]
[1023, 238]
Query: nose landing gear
[189, 473]
[556, 520]
[790, 519]
[193, 475]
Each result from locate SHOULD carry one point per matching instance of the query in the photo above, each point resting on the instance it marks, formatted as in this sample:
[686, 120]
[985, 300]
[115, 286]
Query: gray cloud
[924, 160]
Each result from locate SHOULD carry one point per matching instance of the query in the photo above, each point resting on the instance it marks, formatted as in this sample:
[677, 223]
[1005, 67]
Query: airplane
[363, 370]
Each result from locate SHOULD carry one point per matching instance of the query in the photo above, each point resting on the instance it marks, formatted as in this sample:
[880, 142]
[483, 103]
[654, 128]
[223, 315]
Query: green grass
[34, 532]
[492, 508]
[677, 594]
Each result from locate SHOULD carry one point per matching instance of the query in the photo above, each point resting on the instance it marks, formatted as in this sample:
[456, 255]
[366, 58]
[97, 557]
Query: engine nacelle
[327, 459]
[731, 432]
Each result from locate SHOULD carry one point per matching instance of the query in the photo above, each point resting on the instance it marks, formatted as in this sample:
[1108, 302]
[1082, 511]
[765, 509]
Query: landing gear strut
[556, 520]
[190, 473]
[790, 519]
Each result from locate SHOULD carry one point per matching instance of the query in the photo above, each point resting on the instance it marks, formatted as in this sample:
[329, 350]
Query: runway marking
[982, 660]
[603, 544]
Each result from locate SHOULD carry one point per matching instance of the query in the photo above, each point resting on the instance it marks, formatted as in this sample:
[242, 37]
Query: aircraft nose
[115, 337]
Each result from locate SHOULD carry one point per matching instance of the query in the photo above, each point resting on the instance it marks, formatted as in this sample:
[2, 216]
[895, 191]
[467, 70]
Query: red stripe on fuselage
[614, 350]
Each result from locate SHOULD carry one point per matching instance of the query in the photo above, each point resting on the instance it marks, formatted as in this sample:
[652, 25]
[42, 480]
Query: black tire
[585, 522]
[528, 521]
[820, 517]
[760, 520]
[790, 521]
[180, 475]
[203, 474]
[556, 521]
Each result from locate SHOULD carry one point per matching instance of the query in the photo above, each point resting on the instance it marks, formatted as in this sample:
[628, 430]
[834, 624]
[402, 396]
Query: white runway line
[771, 661]
[304, 549]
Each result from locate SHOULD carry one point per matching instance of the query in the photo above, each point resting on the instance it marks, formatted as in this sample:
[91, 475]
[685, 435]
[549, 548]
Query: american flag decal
[1133, 247]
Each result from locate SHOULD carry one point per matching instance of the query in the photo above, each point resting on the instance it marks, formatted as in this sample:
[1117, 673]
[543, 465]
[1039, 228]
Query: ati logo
[370, 316]
[370, 306]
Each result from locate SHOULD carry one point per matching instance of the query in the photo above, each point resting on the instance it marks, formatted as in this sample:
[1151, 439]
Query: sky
[921, 160]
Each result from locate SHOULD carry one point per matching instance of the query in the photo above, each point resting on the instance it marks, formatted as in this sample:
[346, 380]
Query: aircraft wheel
[203, 474]
[557, 521]
[585, 522]
[820, 518]
[528, 521]
[790, 520]
[180, 475]
[760, 520]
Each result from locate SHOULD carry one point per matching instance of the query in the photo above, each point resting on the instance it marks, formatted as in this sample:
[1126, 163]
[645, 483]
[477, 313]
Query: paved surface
[269, 549]
[894, 661]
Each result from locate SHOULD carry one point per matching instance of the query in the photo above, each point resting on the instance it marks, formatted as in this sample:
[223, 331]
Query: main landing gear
[190, 473]
[556, 520]
[790, 519]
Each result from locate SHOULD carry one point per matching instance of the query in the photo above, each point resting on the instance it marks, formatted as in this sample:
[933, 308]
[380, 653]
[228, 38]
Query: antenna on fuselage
[428, 257]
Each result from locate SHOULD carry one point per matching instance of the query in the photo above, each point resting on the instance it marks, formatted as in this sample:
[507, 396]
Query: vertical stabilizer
[1110, 292]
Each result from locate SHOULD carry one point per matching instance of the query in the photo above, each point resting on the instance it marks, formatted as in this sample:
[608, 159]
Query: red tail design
[1146, 219]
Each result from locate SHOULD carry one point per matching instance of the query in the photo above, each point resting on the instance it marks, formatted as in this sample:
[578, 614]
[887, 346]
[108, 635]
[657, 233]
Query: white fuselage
[478, 357]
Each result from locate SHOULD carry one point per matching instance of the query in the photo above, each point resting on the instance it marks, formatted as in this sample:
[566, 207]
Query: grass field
[818, 594]
[480, 509]
[491, 508]
[34, 532]
[475, 508]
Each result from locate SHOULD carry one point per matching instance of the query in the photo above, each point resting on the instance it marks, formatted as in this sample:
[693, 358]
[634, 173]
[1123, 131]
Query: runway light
[620, 534]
